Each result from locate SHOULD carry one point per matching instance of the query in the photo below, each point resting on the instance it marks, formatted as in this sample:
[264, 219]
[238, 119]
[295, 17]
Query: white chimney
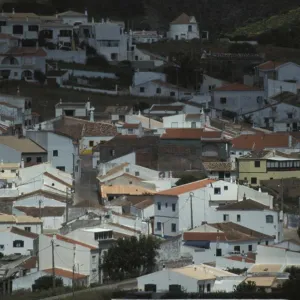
[56, 15]
[22, 164]
[92, 114]
[13, 11]
[171, 174]
[93, 21]
[116, 88]
[102, 20]
[86, 12]
[103, 170]
[259, 190]
[88, 105]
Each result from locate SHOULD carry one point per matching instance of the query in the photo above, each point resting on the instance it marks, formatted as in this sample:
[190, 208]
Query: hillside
[214, 15]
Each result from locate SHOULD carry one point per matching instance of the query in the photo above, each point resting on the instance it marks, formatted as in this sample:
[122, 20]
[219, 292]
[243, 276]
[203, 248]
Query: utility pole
[53, 265]
[100, 262]
[40, 213]
[282, 195]
[191, 204]
[73, 275]
[67, 204]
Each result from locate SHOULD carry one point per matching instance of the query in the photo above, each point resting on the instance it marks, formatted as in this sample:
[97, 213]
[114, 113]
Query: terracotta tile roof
[185, 188]
[218, 166]
[23, 145]
[26, 51]
[99, 129]
[167, 108]
[193, 116]
[244, 205]
[144, 204]
[237, 87]
[124, 190]
[190, 134]
[228, 231]
[270, 65]
[65, 274]
[71, 241]
[240, 258]
[24, 233]
[124, 227]
[30, 263]
[182, 19]
[131, 125]
[114, 170]
[47, 211]
[58, 179]
[260, 141]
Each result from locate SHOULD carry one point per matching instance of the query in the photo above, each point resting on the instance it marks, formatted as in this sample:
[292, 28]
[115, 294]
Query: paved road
[123, 285]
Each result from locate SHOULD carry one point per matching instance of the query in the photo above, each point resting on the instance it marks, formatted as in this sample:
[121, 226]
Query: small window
[91, 143]
[250, 248]
[218, 252]
[217, 191]
[290, 115]
[223, 100]
[137, 173]
[94, 259]
[142, 89]
[158, 91]
[238, 218]
[18, 244]
[28, 229]
[130, 131]
[226, 188]
[253, 180]
[158, 205]
[158, 226]
[257, 164]
[173, 206]
[267, 243]
[172, 94]
[269, 219]
[237, 249]
[61, 168]
[173, 227]
[166, 204]
[28, 159]
[38, 159]
[226, 218]
[193, 125]
[208, 288]
[2, 247]
[55, 152]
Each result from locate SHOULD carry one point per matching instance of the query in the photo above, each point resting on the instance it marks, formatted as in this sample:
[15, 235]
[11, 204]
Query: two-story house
[71, 109]
[184, 27]
[132, 129]
[196, 120]
[237, 98]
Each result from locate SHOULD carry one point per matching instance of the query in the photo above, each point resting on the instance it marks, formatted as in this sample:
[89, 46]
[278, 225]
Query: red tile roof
[65, 273]
[240, 258]
[237, 87]
[185, 188]
[190, 134]
[8, 105]
[30, 263]
[26, 51]
[131, 125]
[71, 241]
[182, 19]
[204, 236]
[260, 141]
[47, 211]
[270, 65]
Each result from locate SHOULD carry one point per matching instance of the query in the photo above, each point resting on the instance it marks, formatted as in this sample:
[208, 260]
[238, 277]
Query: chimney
[244, 197]
[102, 20]
[103, 169]
[290, 141]
[22, 164]
[88, 105]
[13, 11]
[93, 21]
[86, 12]
[1, 161]
[259, 190]
[92, 114]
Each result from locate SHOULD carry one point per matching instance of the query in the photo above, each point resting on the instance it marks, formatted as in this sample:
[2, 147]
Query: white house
[209, 241]
[210, 83]
[267, 220]
[73, 18]
[71, 109]
[145, 36]
[220, 170]
[184, 27]
[146, 122]
[141, 55]
[196, 120]
[192, 279]
[132, 129]
[15, 240]
[142, 77]
[238, 98]
[173, 206]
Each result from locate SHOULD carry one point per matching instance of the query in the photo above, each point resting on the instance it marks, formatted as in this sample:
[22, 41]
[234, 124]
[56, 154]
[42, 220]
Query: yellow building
[267, 165]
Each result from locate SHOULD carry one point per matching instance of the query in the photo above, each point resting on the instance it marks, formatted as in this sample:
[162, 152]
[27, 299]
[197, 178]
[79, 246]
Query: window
[18, 244]
[114, 56]
[217, 191]
[250, 248]
[142, 89]
[130, 131]
[257, 164]
[290, 115]
[237, 249]
[28, 159]
[33, 28]
[158, 226]
[55, 152]
[173, 206]
[190, 28]
[158, 91]
[137, 173]
[226, 188]
[173, 227]
[208, 288]
[193, 124]
[94, 259]
[218, 252]
[61, 168]
[91, 143]
[172, 94]
[158, 205]
[269, 219]
[238, 218]
[2, 247]
[28, 229]
[38, 159]
[225, 218]
[223, 100]
[18, 29]
[253, 180]
[65, 33]
[15, 74]
[267, 243]
[166, 204]
[136, 57]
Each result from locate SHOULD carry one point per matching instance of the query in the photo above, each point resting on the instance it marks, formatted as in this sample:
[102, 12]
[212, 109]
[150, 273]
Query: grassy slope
[274, 22]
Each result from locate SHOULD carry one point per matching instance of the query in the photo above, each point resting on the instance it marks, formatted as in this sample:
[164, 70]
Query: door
[150, 288]
[218, 252]
[295, 127]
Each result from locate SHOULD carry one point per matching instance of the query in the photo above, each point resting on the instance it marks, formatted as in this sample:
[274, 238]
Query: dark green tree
[290, 287]
[242, 48]
[186, 179]
[40, 77]
[45, 283]
[246, 287]
[131, 257]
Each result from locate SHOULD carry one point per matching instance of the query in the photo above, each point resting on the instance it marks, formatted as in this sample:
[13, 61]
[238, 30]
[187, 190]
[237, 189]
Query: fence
[79, 88]
[67, 56]
[91, 74]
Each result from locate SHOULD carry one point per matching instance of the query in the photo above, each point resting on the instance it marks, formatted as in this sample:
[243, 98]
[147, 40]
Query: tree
[242, 48]
[131, 257]
[186, 179]
[246, 287]
[45, 283]
[40, 77]
[237, 271]
[290, 287]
